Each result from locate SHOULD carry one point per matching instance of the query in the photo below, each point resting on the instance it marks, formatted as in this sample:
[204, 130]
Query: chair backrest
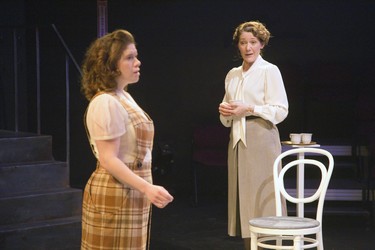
[307, 161]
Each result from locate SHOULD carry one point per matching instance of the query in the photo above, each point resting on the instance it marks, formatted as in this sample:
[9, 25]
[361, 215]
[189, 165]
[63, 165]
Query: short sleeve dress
[114, 215]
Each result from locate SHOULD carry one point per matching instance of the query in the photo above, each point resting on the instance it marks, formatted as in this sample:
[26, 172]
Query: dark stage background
[324, 49]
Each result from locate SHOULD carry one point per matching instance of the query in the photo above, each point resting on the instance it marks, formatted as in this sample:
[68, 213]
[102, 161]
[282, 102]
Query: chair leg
[254, 241]
[319, 237]
[297, 243]
[279, 242]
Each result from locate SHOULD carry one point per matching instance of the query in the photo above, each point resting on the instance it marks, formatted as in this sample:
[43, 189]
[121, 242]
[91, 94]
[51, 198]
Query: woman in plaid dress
[117, 197]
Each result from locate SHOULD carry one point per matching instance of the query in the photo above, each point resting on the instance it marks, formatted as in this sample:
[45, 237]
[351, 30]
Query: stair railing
[68, 58]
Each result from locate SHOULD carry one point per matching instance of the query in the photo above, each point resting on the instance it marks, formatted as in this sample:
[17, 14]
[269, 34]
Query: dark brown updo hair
[258, 29]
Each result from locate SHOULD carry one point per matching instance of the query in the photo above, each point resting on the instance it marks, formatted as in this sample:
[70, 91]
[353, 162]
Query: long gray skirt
[250, 176]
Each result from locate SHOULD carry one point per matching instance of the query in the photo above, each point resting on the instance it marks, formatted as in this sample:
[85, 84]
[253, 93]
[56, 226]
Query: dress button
[139, 164]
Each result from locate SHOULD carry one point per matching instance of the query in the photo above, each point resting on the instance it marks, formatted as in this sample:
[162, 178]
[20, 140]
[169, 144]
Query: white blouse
[107, 119]
[262, 87]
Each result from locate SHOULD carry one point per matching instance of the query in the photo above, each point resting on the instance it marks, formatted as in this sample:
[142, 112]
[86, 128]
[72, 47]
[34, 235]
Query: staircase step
[57, 234]
[24, 147]
[33, 207]
[38, 208]
[32, 177]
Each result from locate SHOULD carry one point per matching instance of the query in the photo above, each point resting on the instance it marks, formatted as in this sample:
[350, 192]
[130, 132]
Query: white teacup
[295, 138]
[306, 138]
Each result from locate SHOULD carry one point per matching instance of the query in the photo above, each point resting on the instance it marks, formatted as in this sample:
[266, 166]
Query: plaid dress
[114, 215]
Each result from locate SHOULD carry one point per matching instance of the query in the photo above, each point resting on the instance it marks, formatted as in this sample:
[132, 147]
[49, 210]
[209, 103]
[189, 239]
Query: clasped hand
[233, 109]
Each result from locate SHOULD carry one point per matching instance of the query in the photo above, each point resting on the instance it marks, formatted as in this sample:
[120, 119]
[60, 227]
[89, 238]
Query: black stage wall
[324, 49]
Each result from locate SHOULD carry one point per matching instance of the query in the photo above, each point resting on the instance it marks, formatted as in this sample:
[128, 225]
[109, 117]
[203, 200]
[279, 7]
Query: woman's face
[249, 47]
[129, 66]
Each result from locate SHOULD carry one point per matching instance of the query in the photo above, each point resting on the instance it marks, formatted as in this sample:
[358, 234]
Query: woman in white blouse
[255, 102]
[118, 196]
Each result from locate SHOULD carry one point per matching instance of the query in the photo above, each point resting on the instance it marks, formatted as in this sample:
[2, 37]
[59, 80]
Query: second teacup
[306, 138]
[295, 138]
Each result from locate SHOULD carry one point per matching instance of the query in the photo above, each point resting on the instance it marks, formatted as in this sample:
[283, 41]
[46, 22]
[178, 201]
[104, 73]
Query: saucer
[298, 144]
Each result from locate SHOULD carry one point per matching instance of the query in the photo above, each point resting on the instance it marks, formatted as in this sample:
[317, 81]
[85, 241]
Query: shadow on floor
[181, 226]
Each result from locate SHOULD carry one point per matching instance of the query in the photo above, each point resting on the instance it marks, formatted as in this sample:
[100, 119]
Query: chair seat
[283, 222]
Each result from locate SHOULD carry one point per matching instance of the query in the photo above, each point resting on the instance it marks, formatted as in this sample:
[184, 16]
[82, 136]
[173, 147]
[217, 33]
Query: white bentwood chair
[274, 231]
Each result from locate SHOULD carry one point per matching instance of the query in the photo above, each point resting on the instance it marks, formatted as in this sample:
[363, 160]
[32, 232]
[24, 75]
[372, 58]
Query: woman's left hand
[241, 108]
[158, 195]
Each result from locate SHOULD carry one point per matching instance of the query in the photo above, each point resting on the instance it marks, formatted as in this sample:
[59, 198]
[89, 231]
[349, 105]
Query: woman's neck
[246, 66]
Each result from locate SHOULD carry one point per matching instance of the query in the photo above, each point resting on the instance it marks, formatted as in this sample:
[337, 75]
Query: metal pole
[102, 17]
[67, 111]
[37, 52]
[15, 66]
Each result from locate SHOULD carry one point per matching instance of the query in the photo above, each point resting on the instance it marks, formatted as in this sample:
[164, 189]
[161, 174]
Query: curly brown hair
[257, 28]
[99, 67]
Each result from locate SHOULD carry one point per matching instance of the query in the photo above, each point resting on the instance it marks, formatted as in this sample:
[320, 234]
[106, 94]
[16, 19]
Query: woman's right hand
[225, 109]
[158, 196]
